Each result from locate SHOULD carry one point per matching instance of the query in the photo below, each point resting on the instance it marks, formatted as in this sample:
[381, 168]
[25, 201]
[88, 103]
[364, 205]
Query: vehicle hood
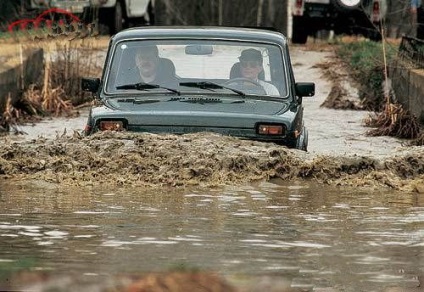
[199, 104]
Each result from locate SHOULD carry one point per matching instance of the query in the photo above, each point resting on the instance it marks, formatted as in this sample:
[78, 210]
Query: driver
[153, 69]
[251, 65]
[147, 61]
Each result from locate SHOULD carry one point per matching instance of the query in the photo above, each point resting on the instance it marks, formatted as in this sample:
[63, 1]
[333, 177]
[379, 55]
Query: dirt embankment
[206, 159]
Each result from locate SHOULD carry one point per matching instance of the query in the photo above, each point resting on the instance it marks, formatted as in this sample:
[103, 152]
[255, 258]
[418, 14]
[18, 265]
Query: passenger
[153, 69]
[251, 65]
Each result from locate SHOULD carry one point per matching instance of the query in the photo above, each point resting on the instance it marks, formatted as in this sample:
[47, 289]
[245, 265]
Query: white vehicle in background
[351, 17]
[115, 14]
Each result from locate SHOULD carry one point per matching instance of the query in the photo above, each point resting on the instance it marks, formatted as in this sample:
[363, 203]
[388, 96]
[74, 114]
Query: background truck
[114, 14]
[352, 17]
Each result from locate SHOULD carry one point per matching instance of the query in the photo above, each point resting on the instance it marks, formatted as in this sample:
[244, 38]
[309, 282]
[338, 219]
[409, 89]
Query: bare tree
[259, 14]
[270, 16]
[220, 12]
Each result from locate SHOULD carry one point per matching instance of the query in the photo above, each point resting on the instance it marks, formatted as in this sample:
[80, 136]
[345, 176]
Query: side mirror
[90, 84]
[305, 89]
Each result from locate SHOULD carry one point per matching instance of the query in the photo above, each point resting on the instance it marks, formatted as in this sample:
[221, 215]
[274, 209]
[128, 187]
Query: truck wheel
[347, 5]
[299, 30]
[116, 21]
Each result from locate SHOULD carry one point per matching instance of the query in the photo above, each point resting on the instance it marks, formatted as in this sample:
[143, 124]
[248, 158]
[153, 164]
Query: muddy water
[301, 236]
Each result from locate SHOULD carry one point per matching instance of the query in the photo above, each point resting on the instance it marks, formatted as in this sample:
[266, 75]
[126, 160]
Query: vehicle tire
[302, 141]
[117, 18]
[299, 30]
[346, 5]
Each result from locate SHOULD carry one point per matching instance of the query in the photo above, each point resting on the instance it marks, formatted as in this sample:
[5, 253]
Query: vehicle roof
[202, 32]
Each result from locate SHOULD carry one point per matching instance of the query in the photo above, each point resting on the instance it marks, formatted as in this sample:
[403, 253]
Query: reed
[57, 92]
[393, 121]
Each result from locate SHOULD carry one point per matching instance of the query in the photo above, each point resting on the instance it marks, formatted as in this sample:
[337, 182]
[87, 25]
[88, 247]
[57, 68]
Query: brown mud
[342, 94]
[207, 160]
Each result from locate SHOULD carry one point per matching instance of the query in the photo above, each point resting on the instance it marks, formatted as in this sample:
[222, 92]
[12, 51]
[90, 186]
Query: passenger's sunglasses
[250, 64]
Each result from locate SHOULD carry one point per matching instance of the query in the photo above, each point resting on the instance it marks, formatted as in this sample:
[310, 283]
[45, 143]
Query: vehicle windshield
[197, 67]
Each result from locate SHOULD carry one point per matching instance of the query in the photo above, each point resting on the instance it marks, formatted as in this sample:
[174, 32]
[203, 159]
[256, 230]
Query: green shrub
[366, 61]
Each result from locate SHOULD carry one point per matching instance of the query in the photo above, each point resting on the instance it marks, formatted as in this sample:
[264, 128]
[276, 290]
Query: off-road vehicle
[184, 80]
[352, 17]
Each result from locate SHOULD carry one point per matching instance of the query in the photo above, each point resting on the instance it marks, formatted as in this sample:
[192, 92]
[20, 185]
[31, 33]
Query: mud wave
[205, 159]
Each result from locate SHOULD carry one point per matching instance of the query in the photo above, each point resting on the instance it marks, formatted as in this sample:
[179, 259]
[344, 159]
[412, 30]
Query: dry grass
[58, 91]
[419, 141]
[394, 121]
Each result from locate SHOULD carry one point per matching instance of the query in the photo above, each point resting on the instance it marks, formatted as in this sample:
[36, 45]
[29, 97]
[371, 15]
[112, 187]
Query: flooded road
[295, 235]
[302, 235]
[331, 132]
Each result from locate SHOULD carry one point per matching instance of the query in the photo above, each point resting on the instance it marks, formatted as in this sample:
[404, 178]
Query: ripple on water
[56, 234]
[139, 241]
[16, 227]
[189, 238]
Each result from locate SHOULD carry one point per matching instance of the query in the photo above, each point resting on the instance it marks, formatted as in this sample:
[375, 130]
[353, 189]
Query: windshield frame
[111, 71]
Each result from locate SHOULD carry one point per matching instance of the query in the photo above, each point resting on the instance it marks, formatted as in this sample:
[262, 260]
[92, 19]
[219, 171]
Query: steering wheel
[240, 83]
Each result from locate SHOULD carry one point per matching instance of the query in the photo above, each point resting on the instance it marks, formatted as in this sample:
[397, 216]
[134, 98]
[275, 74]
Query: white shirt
[269, 88]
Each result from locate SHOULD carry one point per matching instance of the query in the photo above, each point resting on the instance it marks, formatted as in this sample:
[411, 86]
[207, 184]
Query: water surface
[312, 235]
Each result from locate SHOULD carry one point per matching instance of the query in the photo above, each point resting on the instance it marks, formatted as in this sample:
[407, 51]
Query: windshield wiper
[180, 99]
[145, 86]
[139, 101]
[211, 85]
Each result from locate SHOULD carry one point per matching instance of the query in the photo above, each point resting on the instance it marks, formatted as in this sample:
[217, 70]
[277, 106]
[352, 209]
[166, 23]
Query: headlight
[111, 126]
[269, 129]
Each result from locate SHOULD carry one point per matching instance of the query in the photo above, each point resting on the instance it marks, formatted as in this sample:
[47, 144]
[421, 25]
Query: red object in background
[376, 11]
[43, 17]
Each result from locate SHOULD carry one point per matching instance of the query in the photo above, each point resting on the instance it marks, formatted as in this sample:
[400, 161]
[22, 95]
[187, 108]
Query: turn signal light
[111, 126]
[270, 129]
